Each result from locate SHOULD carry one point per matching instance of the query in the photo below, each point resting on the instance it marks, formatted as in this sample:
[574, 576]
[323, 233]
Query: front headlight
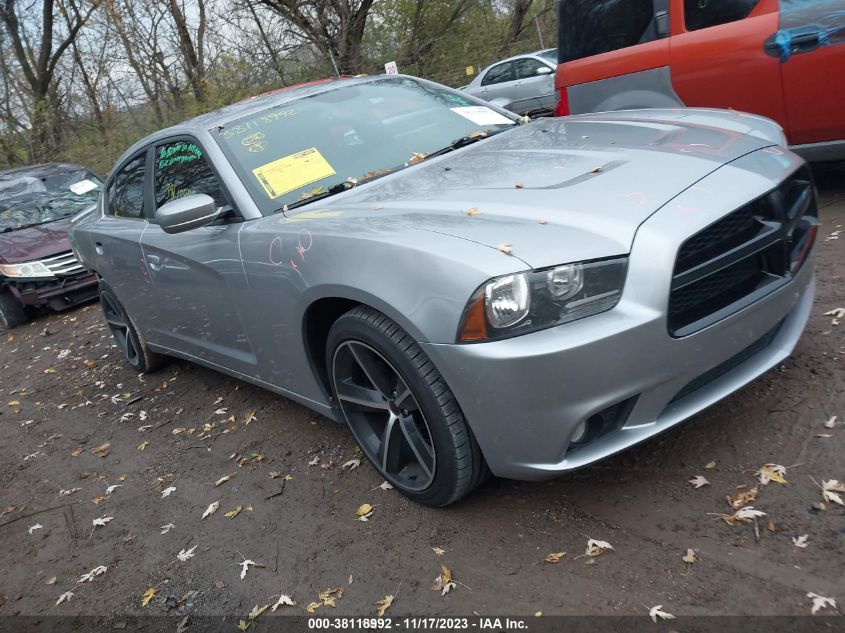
[26, 270]
[526, 302]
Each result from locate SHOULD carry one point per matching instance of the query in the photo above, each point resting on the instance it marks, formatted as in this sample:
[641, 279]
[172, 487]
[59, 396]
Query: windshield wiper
[462, 142]
[331, 191]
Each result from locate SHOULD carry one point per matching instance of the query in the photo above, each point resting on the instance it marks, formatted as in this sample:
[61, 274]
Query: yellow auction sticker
[292, 172]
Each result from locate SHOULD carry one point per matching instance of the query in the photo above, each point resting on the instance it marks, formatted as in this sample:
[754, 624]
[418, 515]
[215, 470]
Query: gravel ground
[76, 428]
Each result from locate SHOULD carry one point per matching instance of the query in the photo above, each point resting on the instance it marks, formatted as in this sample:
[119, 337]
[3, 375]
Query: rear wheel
[12, 313]
[130, 342]
[400, 410]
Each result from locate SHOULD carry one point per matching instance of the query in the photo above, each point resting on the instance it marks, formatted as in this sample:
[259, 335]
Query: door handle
[154, 262]
[788, 42]
[98, 247]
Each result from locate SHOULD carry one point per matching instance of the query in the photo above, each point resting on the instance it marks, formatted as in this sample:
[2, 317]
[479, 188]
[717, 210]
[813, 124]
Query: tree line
[82, 79]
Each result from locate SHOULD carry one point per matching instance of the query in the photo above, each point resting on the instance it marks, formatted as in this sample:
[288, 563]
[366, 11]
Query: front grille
[723, 368]
[64, 265]
[743, 256]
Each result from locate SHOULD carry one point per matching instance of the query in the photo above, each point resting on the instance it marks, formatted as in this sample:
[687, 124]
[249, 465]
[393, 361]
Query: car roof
[41, 170]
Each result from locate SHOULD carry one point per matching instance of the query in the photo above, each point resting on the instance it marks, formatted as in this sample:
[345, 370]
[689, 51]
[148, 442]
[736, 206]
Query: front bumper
[58, 294]
[523, 397]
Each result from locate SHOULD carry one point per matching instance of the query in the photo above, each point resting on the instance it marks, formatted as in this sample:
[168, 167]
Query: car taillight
[562, 107]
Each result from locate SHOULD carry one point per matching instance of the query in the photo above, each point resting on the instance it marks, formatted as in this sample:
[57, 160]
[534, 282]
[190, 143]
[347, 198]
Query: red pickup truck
[784, 59]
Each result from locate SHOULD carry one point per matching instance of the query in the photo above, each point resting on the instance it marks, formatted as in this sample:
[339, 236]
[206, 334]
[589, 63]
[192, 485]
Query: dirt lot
[75, 395]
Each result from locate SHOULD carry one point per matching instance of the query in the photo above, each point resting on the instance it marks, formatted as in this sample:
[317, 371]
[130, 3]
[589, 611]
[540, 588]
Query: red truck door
[810, 46]
[719, 58]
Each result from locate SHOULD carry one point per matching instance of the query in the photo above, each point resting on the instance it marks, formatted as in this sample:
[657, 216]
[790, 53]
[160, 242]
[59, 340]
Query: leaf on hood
[443, 581]
[800, 541]
[520, 185]
[698, 481]
[554, 557]
[256, 611]
[743, 498]
[65, 597]
[148, 595]
[97, 571]
[352, 464]
[819, 602]
[473, 211]
[656, 612]
[771, 472]
[831, 489]
[233, 513]
[505, 248]
[597, 548]
[185, 554]
[383, 605]
[101, 521]
[168, 491]
[284, 601]
[689, 557]
[211, 509]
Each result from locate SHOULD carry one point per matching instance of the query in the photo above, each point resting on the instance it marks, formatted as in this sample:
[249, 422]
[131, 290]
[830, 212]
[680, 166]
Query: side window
[181, 170]
[526, 68]
[701, 14]
[126, 193]
[592, 27]
[498, 74]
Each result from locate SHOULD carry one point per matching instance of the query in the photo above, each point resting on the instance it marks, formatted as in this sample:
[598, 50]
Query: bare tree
[192, 48]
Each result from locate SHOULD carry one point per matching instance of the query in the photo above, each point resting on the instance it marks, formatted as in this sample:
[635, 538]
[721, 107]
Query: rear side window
[702, 14]
[126, 193]
[526, 68]
[498, 74]
[182, 170]
[591, 27]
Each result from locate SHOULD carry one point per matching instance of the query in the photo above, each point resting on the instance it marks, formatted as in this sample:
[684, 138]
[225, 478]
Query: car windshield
[29, 200]
[347, 136]
[550, 54]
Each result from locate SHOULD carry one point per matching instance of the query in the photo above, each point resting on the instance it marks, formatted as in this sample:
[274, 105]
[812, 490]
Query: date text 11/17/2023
[419, 623]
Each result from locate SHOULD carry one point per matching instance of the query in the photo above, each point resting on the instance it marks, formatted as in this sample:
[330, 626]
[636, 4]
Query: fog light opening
[578, 434]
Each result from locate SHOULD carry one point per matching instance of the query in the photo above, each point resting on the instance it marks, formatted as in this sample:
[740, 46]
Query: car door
[719, 58]
[809, 44]
[498, 82]
[117, 234]
[534, 87]
[197, 275]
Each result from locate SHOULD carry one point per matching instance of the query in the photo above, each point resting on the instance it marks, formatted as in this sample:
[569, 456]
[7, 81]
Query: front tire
[400, 410]
[130, 342]
[12, 313]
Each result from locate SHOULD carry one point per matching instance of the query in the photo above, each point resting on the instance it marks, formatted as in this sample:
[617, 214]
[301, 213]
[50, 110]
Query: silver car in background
[524, 84]
[464, 290]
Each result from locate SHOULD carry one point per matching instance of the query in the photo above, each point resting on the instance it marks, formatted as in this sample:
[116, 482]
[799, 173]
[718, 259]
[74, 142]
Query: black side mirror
[184, 214]
[661, 24]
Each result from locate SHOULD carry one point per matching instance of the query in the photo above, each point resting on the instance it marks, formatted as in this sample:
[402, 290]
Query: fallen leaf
[830, 423]
[819, 602]
[689, 557]
[313, 606]
[65, 493]
[655, 612]
[185, 554]
[284, 601]
[233, 513]
[166, 528]
[143, 445]
[148, 595]
[830, 490]
[249, 416]
[246, 565]
[383, 605]
[51, 581]
[743, 515]
[65, 597]
[443, 581]
[596, 548]
[772, 472]
[102, 450]
[98, 500]
[211, 509]
[224, 479]
[743, 498]
[710, 465]
[97, 571]
[505, 248]
[438, 550]
[554, 557]
[352, 464]
[385, 486]
[314, 461]
[167, 491]
[698, 481]
[112, 488]
[800, 541]
[243, 625]
[256, 611]
[101, 521]
[77, 452]
[364, 509]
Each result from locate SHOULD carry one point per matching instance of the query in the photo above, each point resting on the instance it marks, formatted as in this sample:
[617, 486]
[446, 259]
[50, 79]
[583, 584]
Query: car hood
[35, 242]
[555, 190]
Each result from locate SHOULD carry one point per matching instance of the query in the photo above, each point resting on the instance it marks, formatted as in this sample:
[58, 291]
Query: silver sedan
[524, 84]
[469, 293]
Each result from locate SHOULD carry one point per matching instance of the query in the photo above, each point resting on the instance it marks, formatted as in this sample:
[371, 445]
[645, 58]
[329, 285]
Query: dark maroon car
[37, 266]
